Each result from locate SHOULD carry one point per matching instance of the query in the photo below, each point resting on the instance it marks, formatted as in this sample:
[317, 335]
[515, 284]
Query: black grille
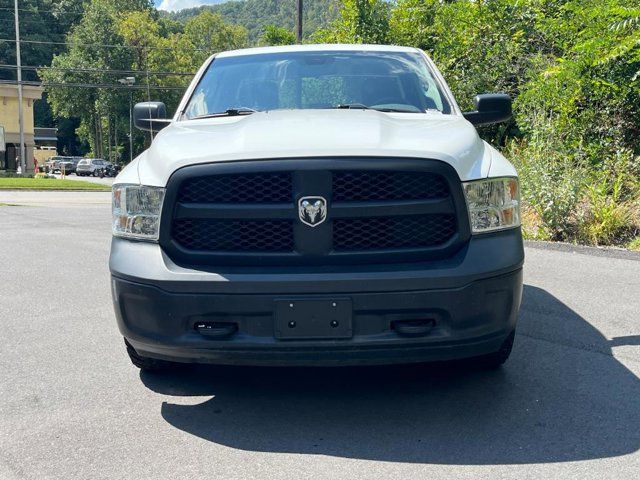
[403, 210]
[359, 186]
[234, 235]
[423, 231]
[244, 188]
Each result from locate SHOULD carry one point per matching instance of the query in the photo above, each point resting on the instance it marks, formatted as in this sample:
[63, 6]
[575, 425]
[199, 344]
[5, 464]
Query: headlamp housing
[493, 204]
[136, 211]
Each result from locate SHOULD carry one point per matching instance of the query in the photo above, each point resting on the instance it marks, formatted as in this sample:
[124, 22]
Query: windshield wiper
[229, 112]
[397, 110]
[355, 106]
[362, 106]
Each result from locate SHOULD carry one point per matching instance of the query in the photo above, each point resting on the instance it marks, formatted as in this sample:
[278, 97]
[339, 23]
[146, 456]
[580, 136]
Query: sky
[173, 5]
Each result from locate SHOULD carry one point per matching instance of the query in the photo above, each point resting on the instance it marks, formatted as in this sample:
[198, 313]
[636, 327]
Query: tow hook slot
[413, 328]
[216, 329]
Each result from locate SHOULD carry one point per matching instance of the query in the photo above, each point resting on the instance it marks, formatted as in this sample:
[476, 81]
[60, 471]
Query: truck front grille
[372, 185]
[392, 232]
[234, 235]
[378, 211]
[239, 188]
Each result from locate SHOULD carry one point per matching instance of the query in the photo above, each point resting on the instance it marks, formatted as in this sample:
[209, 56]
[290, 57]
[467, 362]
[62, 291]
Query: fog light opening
[216, 329]
[413, 328]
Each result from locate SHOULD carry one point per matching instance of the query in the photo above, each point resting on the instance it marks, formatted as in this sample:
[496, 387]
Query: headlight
[136, 211]
[494, 204]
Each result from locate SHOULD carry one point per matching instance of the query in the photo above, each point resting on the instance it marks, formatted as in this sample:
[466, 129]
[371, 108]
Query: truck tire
[494, 360]
[147, 364]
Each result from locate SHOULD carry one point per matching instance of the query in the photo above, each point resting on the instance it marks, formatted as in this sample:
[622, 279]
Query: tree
[206, 34]
[119, 36]
[86, 62]
[277, 36]
[359, 21]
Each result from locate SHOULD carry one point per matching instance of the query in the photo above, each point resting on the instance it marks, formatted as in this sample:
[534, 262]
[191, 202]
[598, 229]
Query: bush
[609, 214]
[566, 199]
[551, 183]
[634, 244]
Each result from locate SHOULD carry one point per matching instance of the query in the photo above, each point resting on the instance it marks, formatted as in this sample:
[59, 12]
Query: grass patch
[50, 184]
[634, 244]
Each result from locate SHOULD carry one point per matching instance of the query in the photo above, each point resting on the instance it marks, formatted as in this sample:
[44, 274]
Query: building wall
[9, 114]
[10, 121]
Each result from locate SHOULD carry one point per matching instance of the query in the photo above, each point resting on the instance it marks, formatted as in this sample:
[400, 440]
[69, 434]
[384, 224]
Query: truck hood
[303, 134]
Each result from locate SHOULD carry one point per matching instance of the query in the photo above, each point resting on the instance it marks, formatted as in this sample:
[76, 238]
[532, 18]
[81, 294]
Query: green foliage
[551, 185]
[412, 21]
[207, 33]
[634, 244]
[30, 183]
[589, 80]
[610, 204]
[564, 199]
[256, 15]
[573, 68]
[360, 21]
[42, 20]
[140, 42]
[277, 36]
[96, 27]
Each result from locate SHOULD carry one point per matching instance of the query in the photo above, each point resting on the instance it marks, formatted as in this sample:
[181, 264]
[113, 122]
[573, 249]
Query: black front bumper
[473, 299]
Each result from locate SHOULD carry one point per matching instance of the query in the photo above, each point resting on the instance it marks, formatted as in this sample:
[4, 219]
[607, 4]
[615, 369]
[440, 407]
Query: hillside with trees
[255, 15]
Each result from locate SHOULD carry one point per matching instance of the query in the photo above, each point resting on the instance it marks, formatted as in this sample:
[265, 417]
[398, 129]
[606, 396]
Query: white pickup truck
[318, 205]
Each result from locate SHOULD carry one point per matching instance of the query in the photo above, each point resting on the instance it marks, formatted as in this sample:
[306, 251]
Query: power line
[73, 44]
[37, 10]
[40, 21]
[98, 70]
[92, 85]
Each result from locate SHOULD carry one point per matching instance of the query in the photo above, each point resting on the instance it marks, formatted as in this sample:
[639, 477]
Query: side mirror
[490, 108]
[150, 116]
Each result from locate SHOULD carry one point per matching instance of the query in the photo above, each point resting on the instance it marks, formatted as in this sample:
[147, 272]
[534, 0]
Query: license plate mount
[308, 319]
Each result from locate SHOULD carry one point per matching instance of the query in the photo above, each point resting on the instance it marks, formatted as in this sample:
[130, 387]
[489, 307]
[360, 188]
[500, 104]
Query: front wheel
[494, 360]
[147, 364]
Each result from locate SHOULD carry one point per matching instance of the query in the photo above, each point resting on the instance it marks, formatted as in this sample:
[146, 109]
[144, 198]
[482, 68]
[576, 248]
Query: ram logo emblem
[312, 210]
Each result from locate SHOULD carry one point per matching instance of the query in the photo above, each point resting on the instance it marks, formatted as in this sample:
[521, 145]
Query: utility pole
[299, 21]
[130, 81]
[23, 159]
[130, 125]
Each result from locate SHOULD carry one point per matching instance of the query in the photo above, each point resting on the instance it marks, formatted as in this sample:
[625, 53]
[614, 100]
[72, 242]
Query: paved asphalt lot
[102, 181]
[567, 404]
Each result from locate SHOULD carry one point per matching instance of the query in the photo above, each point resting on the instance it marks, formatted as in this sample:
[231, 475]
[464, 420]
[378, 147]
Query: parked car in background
[53, 164]
[90, 167]
[112, 170]
[68, 164]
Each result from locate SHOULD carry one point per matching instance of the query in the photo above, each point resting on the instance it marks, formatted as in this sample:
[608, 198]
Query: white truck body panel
[300, 134]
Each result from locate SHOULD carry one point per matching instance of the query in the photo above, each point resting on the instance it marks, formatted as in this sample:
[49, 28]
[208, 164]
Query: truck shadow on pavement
[561, 397]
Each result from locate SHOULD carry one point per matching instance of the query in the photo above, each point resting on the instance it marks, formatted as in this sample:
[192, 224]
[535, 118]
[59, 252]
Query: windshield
[393, 81]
